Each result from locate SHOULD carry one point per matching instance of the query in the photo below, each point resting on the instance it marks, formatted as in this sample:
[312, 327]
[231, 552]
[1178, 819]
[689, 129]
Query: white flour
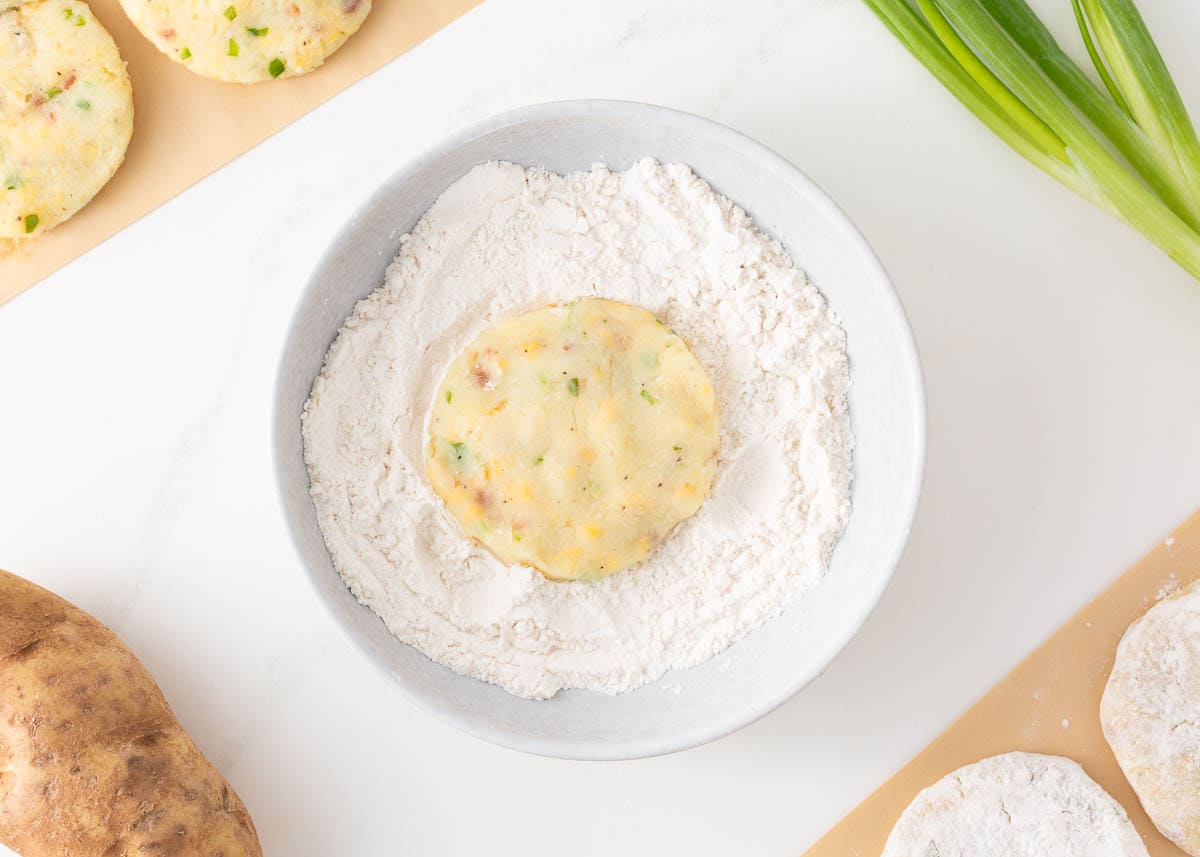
[1015, 805]
[1150, 712]
[501, 241]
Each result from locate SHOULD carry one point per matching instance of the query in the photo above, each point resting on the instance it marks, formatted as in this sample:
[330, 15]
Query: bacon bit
[167, 34]
[350, 5]
[482, 498]
[37, 99]
[70, 81]
[294, 10]
[567, 347]
[482, 378]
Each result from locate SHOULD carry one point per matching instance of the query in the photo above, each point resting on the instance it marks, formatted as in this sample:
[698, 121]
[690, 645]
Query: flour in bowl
[502, 241]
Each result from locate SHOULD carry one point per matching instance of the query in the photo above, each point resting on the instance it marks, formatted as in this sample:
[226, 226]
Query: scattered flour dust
[504, 240]
[1015, 805]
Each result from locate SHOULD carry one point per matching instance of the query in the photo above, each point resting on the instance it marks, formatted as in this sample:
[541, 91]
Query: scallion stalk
[1137, 154]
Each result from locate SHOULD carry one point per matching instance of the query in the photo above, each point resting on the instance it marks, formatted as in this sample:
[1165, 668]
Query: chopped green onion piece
[230, 13]
[185, 54]
[80, 20]
[449, 396]
[83, 104]
[53, 92]
[233, 48]
[537, 461]
[276, 67]
[459, 450]
[677, 448]
[258, 31]
[12, 183]
[67, 13]
[649, 398]
[573, 387]
[31, 222]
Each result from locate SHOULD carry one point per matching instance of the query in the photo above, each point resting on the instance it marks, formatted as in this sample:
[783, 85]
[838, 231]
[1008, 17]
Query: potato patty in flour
[573, 438]
[505, 240]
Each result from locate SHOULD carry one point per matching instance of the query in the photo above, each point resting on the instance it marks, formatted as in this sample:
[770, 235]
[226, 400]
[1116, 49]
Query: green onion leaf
[459, 450]
[31, 222]
[185, 53]
[537, 461]
[1085, 30]
[233, 48]
[649, 398]
[449, 396]
[12, 183]
[80, 20]
[1140, 72]
[1041, 135]
[917, 36]
[573, 387]
[258, 31]
[67, 13]
[53, 92]
[83, 104]
[230, 13]
[276, 67]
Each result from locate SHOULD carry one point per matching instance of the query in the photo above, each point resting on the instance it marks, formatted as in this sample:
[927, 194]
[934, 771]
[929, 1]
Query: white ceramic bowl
[887, 410]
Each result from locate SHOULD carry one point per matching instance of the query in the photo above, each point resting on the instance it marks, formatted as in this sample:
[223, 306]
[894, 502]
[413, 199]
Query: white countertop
[1061, 354]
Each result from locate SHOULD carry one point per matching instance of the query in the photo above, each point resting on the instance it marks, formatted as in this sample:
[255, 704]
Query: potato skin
[93, 762]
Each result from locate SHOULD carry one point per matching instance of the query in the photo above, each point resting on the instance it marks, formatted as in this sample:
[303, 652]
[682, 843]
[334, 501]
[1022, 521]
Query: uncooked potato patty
[573, 438]
[246, 41]
[66, 113]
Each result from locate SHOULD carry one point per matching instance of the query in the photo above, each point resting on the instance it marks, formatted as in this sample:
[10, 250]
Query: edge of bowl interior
[688, 707]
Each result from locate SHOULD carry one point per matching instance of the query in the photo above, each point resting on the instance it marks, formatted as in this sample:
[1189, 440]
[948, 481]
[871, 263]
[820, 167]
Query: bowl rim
[890, 555]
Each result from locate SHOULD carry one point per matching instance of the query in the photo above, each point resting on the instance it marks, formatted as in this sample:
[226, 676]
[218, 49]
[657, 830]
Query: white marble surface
[1061, 355]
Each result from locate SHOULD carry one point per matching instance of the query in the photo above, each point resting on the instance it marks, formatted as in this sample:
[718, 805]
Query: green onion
[31, 222]
[1097, 60]
[12, 183]
[573, 387]
[230, 13]
[449, 396]
[53, 92]
[537, 461]
[83, 104]
[258, 31]
[233, 48]
[1130, 148]
[67, 13]
[80, 20]
[459, 450]
[185, 53]
[276, 67]
[677, 448]
[649, 398]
